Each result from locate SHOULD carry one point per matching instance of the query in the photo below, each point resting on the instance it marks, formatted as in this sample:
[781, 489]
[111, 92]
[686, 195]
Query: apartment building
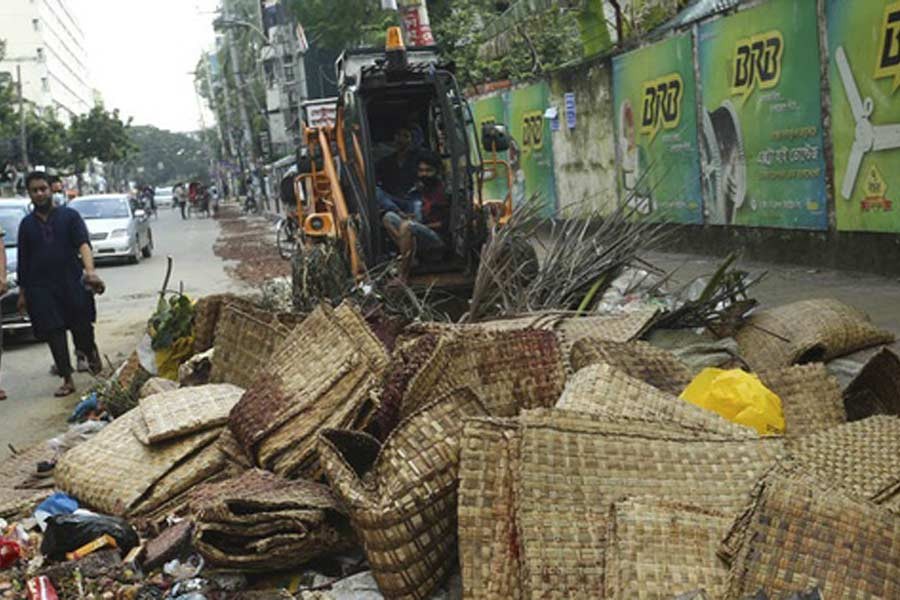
[44, 39]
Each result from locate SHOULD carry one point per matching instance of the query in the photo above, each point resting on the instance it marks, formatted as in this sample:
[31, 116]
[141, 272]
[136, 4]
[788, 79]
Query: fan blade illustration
[887, 137]
[856, 104]
[856, 157]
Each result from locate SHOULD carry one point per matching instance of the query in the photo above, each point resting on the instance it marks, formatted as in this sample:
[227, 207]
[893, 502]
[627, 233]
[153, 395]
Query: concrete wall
[584, 157]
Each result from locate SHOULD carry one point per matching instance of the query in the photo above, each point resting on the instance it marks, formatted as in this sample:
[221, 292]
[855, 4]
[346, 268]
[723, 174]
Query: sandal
[66, 389]
[2, 395]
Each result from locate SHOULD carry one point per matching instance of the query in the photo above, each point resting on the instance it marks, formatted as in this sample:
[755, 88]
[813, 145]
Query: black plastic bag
[66, 533]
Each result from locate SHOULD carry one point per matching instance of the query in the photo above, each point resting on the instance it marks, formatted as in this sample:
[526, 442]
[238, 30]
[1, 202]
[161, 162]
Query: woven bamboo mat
[640, 360]
[273, 399]
[15, 473]
[859, 457]
[112, 471]
[179, 412]
[810, 398]
[262, 522]
[802, 534]
[348, 318]
[192, 471]
[510, 371]
[659, 550]
[572, 469]
[402, 495]
[876, 389]
[605, 391]
[806, 331]
[618, 328]
[245, 341]
[207, 312]
[291, 449]
[487, 535]
[232, 450]
[407, 359]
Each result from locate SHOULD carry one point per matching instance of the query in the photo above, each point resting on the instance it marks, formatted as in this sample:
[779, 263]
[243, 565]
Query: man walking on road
[57, 280]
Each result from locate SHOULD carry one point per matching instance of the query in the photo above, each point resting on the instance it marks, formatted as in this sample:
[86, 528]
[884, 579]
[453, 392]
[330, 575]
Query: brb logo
[888, 64]
[661, 106]
[757, 63]
[532, 131]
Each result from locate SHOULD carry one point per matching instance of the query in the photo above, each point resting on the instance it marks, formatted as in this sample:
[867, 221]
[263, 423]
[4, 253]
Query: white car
[117, 229]
[164, 197]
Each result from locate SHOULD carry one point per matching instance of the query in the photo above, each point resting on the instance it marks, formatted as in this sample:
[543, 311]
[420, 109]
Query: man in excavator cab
[425, 227]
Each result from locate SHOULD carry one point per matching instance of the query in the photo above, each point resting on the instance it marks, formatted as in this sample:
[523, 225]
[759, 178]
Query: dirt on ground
[249, 242]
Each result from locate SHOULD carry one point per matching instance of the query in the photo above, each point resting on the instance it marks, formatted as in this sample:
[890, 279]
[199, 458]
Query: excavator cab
[379, 92]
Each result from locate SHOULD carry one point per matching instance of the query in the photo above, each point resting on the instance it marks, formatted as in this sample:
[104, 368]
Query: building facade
[43, 38]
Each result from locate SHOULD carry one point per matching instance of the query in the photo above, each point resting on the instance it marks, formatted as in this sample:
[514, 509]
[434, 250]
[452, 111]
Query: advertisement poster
[492, 109]
[654, 95]
[531, 157]
[864, 71]
[761, 140]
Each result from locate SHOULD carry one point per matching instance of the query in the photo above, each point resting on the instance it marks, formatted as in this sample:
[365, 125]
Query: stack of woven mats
[146, 461]
[259, 521]
[320, 376]
[20, 489]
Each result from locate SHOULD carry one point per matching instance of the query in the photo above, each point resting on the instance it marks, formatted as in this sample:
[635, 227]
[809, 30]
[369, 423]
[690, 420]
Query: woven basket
[572, 468]
[640, 360]
[245, 341]
[402, 495]
[510, 371]
[113, 471]
[659, 550]
[876, 389]
[604, 391]
[487, 535]
[619, 328]
[261, 522]
[807, 331]
[810, 398]
[802, 534]
[859, 457]
[179, 412]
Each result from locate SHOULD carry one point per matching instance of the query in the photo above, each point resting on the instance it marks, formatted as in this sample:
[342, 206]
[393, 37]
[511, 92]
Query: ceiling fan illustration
[869, 138]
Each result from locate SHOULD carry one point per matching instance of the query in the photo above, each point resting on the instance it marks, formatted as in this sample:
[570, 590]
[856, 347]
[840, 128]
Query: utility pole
[23, 134]
[256, 180]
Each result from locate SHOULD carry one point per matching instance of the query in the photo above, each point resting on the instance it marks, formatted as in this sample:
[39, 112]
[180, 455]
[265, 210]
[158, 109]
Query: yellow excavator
[337, 205]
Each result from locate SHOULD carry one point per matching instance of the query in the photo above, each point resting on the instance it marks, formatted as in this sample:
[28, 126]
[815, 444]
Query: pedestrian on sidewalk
[4, 286]
[57, 280]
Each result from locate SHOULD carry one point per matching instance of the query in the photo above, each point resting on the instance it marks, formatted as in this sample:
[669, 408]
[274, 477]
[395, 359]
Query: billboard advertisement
[864, 72]
[531, 157]
[761, 139]
[654, 95]
[492, 109]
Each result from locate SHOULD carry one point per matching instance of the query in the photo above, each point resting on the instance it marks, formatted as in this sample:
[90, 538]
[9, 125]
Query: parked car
[118, 229]
[164, 197]
[11, 214]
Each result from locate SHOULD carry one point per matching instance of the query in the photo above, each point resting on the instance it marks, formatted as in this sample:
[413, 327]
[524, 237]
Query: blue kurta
[50, 271]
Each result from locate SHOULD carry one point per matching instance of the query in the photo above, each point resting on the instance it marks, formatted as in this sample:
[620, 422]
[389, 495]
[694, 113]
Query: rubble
[528, 455]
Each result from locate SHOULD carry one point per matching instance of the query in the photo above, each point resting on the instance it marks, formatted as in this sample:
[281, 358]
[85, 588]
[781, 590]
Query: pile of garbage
[550, 454]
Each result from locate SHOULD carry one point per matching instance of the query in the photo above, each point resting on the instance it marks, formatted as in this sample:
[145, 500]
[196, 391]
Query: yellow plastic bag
[169, 359]
[738, 396]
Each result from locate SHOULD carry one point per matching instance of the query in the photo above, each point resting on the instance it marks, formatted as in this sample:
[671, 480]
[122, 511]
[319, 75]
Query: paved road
[32, 413]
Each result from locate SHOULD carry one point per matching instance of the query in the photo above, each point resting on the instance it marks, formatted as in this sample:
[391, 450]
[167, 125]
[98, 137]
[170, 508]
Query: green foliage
[182, 156]
[342, 24]
[173, 320]
[539, 44]
[99, 134]
[47, 140]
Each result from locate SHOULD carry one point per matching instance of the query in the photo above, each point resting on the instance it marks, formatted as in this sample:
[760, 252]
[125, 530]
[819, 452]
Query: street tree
[163, 157]
[99, 134]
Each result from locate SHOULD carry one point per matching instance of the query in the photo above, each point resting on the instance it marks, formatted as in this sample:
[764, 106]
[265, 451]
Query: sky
[141, 53]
